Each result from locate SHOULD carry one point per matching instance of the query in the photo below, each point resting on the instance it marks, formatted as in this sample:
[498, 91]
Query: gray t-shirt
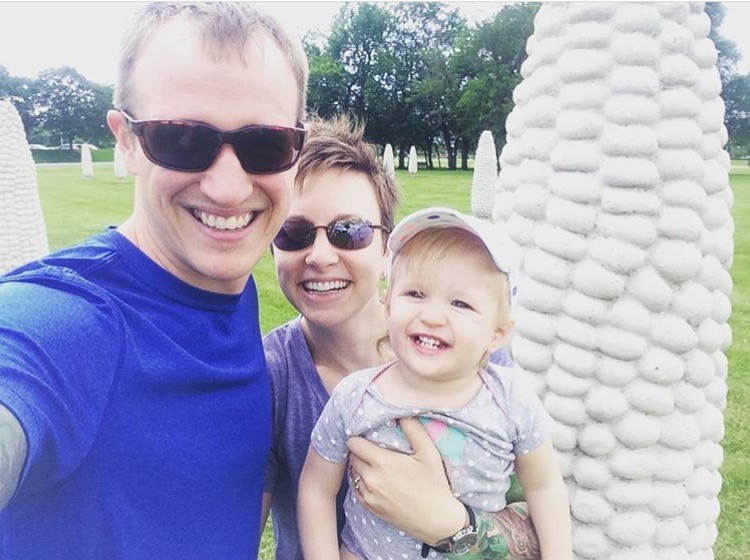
[478, 444]
[298, 400]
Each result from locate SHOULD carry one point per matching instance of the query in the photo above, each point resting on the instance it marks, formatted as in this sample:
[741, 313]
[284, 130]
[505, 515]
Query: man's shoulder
[72, 265]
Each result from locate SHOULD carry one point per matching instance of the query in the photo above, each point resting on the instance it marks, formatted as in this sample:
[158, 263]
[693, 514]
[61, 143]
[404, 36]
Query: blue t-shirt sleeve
[531, 419]
[60, 352]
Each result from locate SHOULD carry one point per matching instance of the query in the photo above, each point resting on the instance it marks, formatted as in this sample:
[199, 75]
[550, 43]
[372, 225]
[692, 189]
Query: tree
[67, 104]
[729, 54]
[488, 62]
[735, 87]
[737, 117]
[19, 91]
[424, 32]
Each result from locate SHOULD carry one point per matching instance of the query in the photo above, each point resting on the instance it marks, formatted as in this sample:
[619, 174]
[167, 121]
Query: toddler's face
[442, 319]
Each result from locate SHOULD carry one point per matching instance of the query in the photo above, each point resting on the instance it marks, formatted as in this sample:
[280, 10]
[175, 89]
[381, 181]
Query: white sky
[39, 35]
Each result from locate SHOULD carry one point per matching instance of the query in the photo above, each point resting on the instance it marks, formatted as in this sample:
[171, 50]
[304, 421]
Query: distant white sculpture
[121, 172]
[87, 166]
[614, 183]
[484, 177]
[23, 237]
[388, 161]
[413, 161]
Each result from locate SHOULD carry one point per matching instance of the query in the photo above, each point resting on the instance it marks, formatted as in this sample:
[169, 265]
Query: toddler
[448, 306]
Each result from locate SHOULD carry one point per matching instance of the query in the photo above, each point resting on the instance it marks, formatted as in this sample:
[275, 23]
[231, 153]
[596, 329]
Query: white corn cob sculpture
[388, 161]
[484, 177]
[615, 186]
[121, 172]
[87, 166]
[413, 161]
[22, 234]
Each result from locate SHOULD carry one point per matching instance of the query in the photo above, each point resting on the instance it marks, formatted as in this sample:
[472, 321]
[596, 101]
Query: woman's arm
[412, 493]
[547, 497]
[316, 507]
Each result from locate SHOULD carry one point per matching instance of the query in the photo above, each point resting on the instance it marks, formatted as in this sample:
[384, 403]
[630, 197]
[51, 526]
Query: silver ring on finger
[355, 482]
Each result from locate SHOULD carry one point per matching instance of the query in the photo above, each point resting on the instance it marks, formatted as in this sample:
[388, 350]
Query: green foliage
[69, 105]
[737, 100]
[19, 91]
[56, 156]
[71, 156]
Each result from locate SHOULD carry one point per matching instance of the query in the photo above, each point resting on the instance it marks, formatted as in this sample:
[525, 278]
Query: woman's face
[327, 285]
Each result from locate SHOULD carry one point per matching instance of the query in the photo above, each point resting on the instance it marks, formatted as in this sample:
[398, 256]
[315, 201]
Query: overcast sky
[39, 35]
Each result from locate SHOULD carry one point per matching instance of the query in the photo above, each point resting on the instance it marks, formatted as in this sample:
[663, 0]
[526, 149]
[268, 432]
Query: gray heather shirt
[478, 444]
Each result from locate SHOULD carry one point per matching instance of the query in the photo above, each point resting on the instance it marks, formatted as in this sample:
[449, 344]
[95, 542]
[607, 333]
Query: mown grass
[75, 208]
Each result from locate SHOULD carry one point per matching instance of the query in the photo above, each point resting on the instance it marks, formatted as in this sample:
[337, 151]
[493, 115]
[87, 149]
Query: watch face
[465, 543]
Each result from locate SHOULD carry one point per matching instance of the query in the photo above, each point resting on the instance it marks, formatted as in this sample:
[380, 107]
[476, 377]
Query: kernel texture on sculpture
[22, 234]
[614, 183]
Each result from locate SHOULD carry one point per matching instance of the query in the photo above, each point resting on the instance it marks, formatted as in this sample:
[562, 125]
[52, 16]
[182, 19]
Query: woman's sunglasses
[346, 233]
[192, 146]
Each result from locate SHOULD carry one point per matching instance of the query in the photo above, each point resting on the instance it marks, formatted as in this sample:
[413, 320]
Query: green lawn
[74, 208]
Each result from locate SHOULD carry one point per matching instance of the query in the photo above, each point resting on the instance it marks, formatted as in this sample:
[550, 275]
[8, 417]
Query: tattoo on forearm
[12, 454]
[505, 535]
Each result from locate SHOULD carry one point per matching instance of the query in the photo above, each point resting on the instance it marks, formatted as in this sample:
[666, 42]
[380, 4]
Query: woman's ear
[126, 140]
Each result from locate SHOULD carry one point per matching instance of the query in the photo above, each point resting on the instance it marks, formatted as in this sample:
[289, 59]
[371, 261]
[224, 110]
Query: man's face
[208, 228]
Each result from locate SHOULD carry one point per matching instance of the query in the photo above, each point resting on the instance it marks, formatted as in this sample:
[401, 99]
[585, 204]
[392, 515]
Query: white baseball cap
[494, 238]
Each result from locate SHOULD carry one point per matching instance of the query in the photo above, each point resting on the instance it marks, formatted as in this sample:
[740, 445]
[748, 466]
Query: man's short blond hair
[225, 28]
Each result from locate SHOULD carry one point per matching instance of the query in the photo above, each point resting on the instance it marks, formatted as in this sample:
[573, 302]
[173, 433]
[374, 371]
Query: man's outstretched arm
[12, 454]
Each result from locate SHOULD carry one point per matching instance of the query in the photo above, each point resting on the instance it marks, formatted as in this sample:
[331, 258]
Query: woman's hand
[411, 492]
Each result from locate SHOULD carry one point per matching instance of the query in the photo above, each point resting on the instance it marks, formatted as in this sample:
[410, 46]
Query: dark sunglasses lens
[350, 234]
[184, 147]
[294, 235]
[267, 150]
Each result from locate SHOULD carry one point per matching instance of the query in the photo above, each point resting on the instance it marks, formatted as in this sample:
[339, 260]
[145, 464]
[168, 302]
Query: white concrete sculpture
[390, 168]
[87, 166]
[413, 161]
[121, 172]
[614, 183]
[22, 234]
[485, 176]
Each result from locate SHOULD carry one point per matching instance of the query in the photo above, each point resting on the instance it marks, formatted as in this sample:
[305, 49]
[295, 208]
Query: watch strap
[447, 548]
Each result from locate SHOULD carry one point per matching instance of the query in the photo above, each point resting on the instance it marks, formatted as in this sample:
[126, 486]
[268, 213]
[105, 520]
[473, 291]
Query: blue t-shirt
[298, 401]
[146, 408]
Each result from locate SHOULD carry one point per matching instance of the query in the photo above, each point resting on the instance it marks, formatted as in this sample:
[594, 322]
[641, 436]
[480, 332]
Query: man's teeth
[325, 286]
[220, 222]
[427, 342]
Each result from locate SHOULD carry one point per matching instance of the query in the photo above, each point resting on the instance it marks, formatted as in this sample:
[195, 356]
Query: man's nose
[226, 182]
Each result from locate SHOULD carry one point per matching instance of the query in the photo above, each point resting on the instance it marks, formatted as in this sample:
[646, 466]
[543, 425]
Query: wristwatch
[460, 543]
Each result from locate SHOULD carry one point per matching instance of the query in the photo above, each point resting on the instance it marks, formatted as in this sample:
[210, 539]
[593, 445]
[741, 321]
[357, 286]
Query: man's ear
[502, 334]
[126, 140]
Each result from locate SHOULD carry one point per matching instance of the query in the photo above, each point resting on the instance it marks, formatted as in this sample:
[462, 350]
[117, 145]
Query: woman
[332, 277]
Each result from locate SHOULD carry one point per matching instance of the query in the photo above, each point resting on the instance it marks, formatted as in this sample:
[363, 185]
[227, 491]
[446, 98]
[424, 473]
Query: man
[134, 398]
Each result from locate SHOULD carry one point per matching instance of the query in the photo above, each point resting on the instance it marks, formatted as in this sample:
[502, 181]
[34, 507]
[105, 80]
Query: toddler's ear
[502, 334]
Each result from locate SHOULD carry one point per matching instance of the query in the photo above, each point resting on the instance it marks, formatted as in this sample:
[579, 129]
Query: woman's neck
[341, 349]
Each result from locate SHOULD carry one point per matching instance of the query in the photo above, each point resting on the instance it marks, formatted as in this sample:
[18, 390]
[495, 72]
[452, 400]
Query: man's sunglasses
[346, 233]
[193, 146]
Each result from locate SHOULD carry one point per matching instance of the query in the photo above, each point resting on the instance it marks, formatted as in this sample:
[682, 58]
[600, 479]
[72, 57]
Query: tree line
[417, 73]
